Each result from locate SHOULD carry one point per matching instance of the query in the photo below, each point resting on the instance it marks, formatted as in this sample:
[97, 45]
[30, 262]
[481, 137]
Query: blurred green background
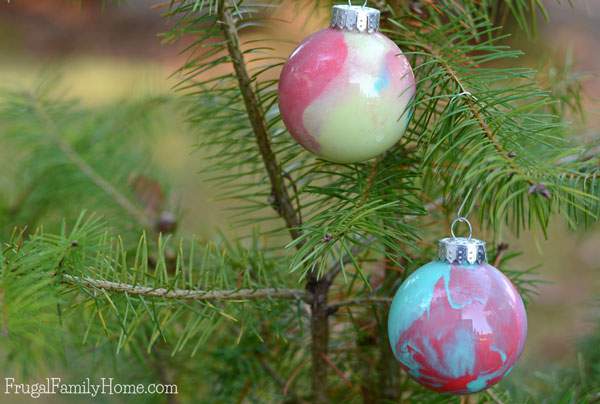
[104, 53]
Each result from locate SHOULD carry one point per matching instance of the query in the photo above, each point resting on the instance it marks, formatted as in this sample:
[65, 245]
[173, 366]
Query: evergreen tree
[293, 308]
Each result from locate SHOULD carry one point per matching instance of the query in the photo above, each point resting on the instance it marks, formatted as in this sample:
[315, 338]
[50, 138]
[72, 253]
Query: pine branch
[472, 104]
[319, 288]
[333, 307]
[475, 111]
[336, 268]
[85, 168]
[188, 294]
[348, 259]
[282, 201]
[488, 129]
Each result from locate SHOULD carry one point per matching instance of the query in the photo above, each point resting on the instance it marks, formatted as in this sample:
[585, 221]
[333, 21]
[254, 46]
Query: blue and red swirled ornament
[457, 328]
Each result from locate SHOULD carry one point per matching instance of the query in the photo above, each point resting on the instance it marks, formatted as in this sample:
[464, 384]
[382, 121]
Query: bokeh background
[103, 53]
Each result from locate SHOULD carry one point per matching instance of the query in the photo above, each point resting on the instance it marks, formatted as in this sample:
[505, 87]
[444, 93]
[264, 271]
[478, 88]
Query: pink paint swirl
[310, 69]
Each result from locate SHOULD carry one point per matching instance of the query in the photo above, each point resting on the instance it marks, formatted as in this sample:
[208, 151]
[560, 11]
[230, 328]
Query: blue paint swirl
[413, 299]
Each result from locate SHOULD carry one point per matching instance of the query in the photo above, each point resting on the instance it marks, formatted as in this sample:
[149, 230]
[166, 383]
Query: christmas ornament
[345, 92]
[457, 325]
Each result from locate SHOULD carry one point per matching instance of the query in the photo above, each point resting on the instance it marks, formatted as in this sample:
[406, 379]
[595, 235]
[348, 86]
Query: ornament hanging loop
[461, 219]
[364, 4]
[462, 250]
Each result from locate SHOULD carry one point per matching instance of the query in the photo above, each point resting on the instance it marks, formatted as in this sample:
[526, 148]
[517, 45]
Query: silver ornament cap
[355, 18]
[462, 250]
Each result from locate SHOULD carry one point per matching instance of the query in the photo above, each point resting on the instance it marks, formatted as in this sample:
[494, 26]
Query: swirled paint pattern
[345, 96]
[457, 328]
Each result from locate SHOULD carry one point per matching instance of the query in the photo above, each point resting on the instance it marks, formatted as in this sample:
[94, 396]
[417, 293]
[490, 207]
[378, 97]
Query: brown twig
[280, 381]
[388, 372]
[282, 201]
[494, 397]
[586, 155]
[319, 327]
[160, 364]
[318, 288]
[370, 181]
[333, 307]
[337, 370]
[288, 384]
[500, 251]
[188, 294]
[270, 371]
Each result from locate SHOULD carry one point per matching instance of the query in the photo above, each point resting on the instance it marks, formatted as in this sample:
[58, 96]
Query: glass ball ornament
[345, 92]
[457, 325]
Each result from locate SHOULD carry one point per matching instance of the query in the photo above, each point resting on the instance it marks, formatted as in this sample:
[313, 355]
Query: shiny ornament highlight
[457, 327]
[345, 95]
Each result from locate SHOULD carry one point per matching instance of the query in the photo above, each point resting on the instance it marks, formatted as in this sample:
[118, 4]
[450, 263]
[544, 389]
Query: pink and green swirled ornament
[346, 95]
